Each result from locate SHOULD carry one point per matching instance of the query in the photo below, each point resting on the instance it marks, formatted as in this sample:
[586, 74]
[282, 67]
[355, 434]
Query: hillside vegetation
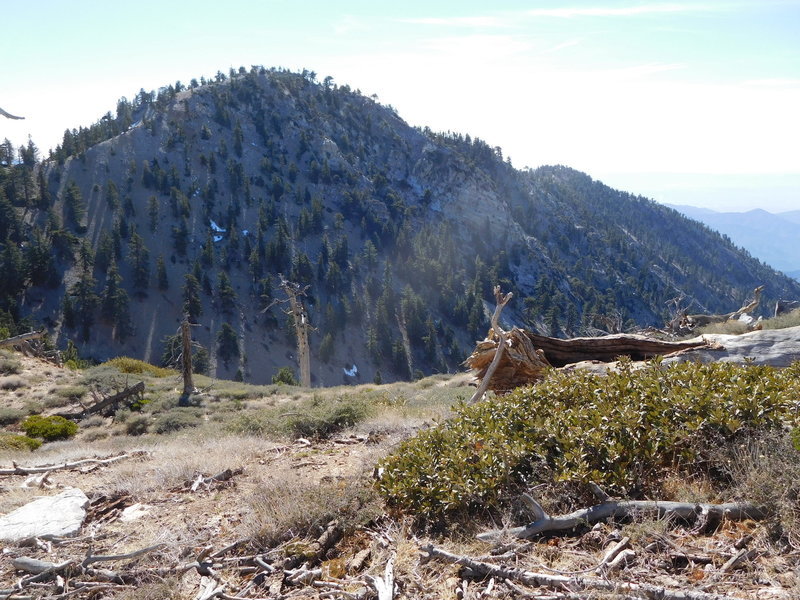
[199, 198]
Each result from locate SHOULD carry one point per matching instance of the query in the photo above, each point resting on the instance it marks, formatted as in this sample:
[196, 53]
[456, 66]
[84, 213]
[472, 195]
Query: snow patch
[218, 238]
[352, 372]
[216, 227]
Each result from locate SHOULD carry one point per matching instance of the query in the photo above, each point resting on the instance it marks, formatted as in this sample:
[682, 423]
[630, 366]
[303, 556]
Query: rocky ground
[204, 512]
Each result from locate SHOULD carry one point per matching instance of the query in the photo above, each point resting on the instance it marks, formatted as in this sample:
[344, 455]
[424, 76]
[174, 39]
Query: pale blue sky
[687, 102]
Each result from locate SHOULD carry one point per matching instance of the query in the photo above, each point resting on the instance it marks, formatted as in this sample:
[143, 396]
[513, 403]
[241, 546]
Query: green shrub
[139, 367]
[621, 431]
[176, 419]
[11, 441]
[285, 375]
[49, 428]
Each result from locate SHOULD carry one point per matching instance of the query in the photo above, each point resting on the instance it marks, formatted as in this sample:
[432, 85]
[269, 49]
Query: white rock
[134, 512]
[51, 516]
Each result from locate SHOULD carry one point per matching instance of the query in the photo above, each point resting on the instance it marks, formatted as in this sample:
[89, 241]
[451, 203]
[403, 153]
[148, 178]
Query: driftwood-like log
[17, 339]
[688, 511]
[17, 470]
[112, 401]
[561, 582]
[608, 348]
[528, 355]
[692, 321]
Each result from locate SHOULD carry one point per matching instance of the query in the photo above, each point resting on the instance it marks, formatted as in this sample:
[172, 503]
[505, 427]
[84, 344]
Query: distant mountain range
[770, 237]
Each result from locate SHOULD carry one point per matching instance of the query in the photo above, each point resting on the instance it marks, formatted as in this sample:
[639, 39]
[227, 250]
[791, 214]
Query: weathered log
[17, 339]
[638, 590]
[112, 401]
[608, 348]
[692, 321]
[687, 511]
[528, 355]
[17, 470]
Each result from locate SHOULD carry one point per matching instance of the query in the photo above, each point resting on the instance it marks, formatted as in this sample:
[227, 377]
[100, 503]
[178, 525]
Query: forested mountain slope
[199, 198]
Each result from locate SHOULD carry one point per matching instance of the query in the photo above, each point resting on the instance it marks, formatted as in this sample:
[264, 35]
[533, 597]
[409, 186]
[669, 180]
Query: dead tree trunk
[186, 358]
[301, 326]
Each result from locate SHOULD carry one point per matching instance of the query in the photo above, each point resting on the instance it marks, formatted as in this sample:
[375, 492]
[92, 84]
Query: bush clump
[49, 428]
[13, 441]
[317, 418]
[323, 419]
[139, 367]
[622, 431]
[176, 419]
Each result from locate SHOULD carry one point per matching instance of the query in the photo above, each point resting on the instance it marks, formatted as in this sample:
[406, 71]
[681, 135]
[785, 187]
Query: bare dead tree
[302, 325]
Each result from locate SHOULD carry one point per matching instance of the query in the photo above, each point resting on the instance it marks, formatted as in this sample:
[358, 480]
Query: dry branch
[17, 470]
[497, 337]
[691, 321]
[560, 582]
[17, 339]
[545, 523]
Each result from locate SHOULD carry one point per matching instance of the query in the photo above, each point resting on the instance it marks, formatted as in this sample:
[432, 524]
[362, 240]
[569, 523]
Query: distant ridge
[770, 237]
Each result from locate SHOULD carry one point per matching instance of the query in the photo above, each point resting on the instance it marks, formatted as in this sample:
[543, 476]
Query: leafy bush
[49, 428]
[11, 441]
[139, 367]
[622, 431]
[285, 375]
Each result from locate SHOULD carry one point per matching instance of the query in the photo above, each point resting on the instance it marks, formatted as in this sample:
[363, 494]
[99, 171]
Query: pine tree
[227, 343]
[161, 274]
[191, 298]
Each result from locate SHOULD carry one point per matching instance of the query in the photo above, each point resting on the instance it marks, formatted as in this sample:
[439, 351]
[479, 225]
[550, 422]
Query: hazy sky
[693, 101]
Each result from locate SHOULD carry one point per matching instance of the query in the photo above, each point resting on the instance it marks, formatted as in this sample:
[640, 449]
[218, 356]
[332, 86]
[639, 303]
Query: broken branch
[736, 511]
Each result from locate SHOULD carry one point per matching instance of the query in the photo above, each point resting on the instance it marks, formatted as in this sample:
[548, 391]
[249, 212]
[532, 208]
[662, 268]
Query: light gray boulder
[49, 517]
[774, 347]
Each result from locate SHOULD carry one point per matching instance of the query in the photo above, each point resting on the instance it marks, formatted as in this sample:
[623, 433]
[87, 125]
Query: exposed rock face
[53, 516]
[773, 347]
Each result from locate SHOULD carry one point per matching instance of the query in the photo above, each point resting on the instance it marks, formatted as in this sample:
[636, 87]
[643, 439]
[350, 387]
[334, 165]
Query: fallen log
[687, 511]
[17, 339]
[527, 355]
[17, 470]
[608, 348]
[561, 582]
[692, 321]
[113, 401]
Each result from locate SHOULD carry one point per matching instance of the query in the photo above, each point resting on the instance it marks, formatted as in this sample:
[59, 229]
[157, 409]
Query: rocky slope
[211, 193]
